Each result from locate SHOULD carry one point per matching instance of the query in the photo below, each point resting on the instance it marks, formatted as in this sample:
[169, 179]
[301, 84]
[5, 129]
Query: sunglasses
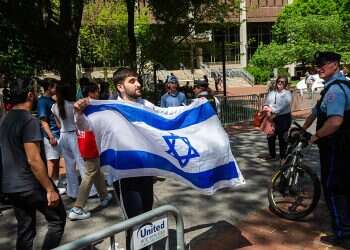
[280, 81]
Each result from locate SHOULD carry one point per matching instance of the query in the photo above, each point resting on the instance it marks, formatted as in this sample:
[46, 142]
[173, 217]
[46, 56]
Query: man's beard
[134, 95]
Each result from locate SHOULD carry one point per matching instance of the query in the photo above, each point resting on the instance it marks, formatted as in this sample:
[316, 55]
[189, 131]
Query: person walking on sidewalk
[93, 173]
[333, 139]
[50, 130]
[64, 114]
[24, 175]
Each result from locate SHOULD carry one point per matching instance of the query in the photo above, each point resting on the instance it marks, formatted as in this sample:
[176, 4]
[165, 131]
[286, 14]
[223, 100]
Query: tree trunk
[70, 21]
[67, 69]
[131, 34]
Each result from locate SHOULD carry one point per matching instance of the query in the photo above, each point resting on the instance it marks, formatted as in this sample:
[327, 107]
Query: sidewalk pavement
[262, 230]
[235, 218]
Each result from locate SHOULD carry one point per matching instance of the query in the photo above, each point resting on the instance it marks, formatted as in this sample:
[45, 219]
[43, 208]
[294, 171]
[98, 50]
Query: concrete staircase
[233, 79]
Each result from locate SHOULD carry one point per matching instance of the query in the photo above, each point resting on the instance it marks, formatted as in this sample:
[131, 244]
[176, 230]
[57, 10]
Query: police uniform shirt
[335, 102]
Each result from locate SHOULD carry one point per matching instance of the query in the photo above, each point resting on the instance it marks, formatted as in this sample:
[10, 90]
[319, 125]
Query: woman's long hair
[63, 93]
[284, 78]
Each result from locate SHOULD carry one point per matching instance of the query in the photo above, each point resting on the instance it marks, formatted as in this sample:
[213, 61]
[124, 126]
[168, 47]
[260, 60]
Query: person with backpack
[93, 173]
[333, 139]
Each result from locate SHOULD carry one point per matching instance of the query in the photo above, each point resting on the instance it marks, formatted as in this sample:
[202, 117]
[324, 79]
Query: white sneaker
[61, 190]
[106, 200]
[77, 213]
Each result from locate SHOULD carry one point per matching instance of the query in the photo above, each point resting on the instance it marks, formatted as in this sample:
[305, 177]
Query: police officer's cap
[200, 83]
[322, 58]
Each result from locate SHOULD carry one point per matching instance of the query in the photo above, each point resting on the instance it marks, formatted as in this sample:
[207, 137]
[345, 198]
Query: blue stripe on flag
[134, 114]
[124, 160]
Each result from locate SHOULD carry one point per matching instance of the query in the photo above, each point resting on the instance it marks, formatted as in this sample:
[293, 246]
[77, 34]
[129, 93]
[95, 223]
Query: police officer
[333, 139]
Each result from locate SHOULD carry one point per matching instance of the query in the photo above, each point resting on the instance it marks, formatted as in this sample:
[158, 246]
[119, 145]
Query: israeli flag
[187, 143]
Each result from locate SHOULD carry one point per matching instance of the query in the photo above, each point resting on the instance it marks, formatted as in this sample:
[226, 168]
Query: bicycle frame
[296, 157]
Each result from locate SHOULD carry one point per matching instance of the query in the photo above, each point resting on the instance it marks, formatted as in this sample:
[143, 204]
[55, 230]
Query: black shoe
[269, 158]
[335, 241]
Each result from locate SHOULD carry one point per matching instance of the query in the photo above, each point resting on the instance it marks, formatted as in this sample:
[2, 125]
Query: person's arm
[335, 101]
[32, 150]
[45, 126]
[329, 127]
[58, 123]
[282, 103]
[82, 122]
[43, 116]
[309, 120]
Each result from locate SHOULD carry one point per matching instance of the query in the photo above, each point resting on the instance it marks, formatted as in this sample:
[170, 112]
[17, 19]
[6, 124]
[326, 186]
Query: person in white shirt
[63, 111]
[278, 101]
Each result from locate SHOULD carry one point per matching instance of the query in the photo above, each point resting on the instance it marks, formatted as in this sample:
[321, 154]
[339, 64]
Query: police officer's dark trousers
[335, 174]
[137, 198]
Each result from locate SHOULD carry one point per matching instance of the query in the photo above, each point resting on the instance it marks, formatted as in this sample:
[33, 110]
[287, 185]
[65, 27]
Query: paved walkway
[231, 219]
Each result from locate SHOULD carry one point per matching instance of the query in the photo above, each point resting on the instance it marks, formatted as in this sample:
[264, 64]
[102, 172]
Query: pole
[155, 68]
[223, 61]
[243, 34]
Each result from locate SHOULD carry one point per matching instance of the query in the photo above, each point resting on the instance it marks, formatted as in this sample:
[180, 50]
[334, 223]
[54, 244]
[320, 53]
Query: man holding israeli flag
[138, 140]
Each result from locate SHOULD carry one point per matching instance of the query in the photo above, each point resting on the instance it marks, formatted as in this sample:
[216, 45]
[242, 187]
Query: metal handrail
[128, 224]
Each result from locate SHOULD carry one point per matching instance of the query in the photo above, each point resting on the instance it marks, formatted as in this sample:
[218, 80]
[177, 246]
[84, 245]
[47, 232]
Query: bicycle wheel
[291, 200]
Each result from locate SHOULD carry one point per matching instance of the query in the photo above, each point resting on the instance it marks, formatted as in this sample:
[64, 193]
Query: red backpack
[87, 145]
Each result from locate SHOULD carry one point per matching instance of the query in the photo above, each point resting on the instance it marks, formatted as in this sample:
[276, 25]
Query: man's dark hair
[19, 90]
[86, 89]
[48, 83]
[84, 81]
[122, 73]
[104, 90]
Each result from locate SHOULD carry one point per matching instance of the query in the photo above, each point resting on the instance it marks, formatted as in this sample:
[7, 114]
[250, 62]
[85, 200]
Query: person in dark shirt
[24, 177]
[50, 129]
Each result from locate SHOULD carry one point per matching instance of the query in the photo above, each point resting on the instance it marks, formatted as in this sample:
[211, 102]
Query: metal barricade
[239, 108]
[109, 232]
[235, 109]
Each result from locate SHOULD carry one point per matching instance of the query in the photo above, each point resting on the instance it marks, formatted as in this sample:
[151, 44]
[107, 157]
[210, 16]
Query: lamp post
[223, 55]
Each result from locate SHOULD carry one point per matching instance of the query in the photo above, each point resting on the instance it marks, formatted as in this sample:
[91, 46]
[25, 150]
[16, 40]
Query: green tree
[103, 35]
[51, 29]
[302, 29]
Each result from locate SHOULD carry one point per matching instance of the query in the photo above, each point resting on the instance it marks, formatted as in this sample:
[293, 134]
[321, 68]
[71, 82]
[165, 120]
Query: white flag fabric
[189, 144]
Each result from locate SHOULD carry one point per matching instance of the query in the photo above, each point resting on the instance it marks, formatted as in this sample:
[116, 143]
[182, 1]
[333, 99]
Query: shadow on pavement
[220, 236]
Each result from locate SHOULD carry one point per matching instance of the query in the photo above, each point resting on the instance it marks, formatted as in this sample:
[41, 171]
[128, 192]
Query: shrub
[261, 75]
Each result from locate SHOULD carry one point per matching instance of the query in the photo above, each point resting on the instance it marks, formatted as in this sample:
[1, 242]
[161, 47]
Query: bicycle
[295, 189]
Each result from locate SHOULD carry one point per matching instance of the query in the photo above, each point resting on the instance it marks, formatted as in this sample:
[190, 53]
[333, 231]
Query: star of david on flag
[187, 143]
[182, 159]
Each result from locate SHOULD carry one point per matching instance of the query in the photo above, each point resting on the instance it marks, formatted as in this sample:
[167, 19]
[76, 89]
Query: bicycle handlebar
[305, 134]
